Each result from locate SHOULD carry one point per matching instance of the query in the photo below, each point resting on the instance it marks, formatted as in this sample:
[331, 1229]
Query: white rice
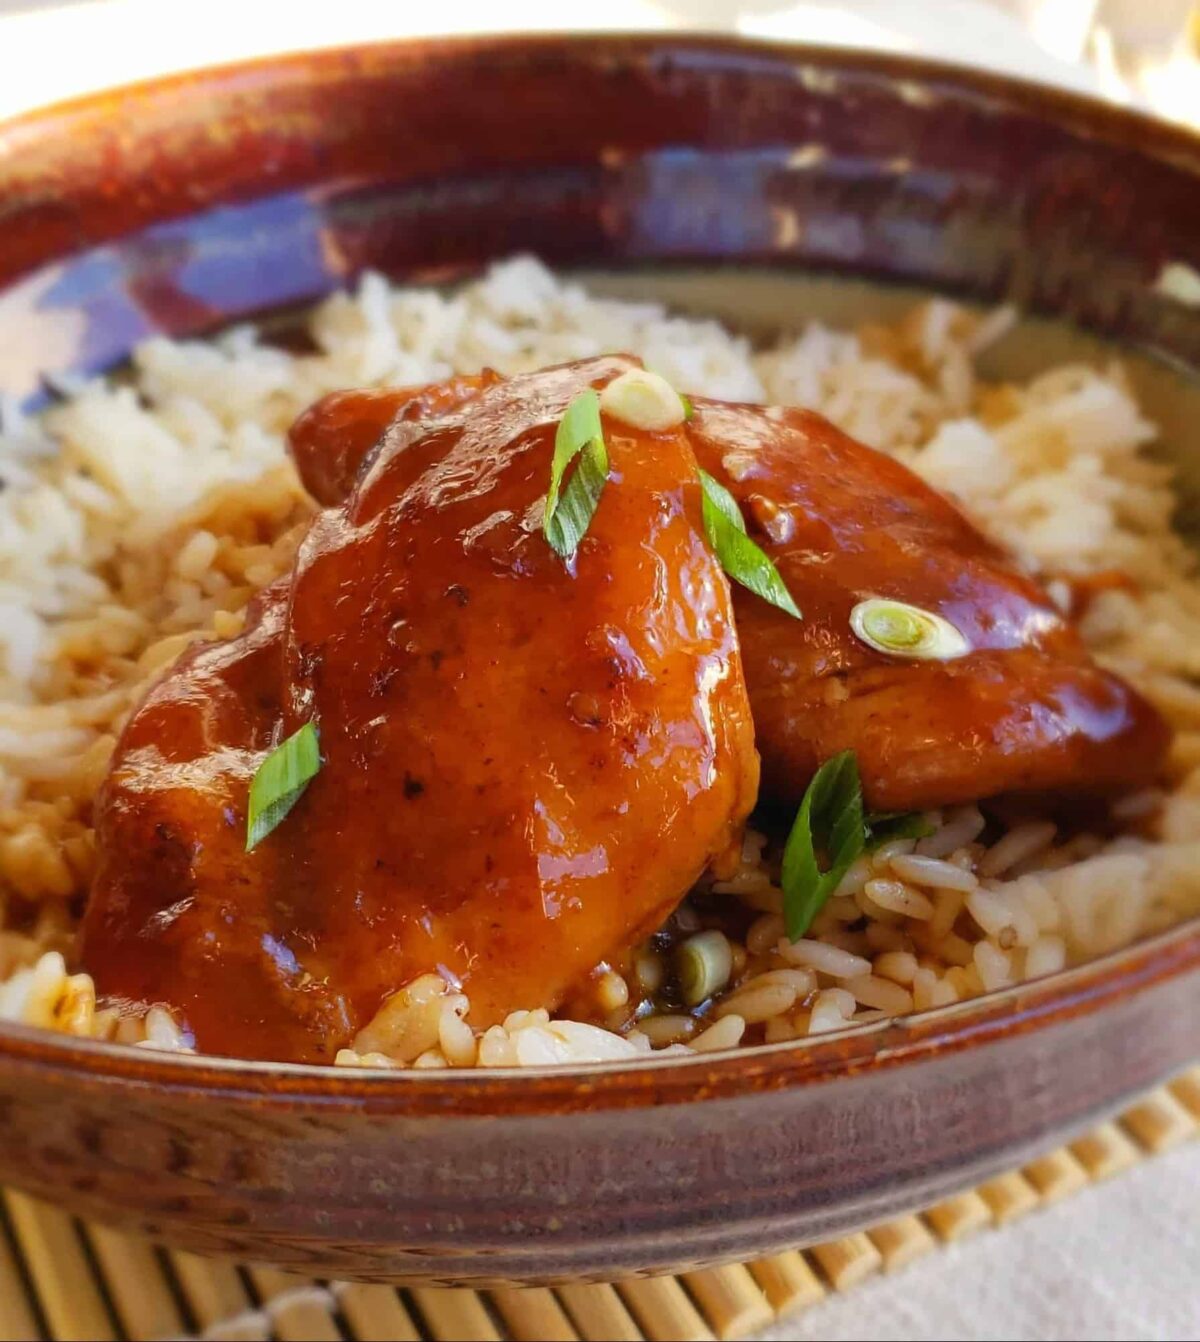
[141, 513]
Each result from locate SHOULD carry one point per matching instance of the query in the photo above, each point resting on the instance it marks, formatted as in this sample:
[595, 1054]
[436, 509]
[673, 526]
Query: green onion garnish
[280, 781]
[740, 557]
[568, 514]
[688, 408]
[703, 964]
[831, 821]
[900, 629]
[885, 826]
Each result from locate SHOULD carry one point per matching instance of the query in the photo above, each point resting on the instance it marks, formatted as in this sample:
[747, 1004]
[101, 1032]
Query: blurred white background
[1141, 51]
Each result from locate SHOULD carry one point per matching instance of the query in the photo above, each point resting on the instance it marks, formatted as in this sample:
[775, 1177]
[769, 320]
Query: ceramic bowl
[186, 203]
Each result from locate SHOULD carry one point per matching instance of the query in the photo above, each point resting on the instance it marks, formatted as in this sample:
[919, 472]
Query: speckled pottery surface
[184, 204]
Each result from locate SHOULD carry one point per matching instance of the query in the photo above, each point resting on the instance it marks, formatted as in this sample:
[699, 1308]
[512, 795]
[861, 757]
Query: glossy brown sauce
[1026, 711]
[329, 441]
[526, 763]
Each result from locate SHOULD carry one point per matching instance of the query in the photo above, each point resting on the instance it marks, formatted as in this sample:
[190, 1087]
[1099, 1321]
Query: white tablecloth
[1118, 1260]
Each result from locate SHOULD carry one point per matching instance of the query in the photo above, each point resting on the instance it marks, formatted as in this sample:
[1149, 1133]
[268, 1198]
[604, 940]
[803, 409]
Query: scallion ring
[703, 964]
[644, 400]
[902, 630]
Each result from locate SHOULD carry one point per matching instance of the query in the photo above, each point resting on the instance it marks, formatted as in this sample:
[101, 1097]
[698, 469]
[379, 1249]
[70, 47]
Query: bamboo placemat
[61, 1278]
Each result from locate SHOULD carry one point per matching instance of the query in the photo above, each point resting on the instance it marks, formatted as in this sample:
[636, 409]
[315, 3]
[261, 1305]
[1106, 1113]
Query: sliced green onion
[901, 630]
[688, 408]
[580, 499]
[740, 557]
[644, 400]
[723, 501]
[829, 822]
[884, 826]
[569, 512]
[703, 964]
[279, 782]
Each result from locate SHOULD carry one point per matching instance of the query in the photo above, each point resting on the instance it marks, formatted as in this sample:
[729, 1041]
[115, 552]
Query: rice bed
[141, 513]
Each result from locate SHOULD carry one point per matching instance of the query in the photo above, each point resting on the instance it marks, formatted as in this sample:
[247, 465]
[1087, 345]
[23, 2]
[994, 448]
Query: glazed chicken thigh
[526, 761]
[330, 440]
[1022, 710]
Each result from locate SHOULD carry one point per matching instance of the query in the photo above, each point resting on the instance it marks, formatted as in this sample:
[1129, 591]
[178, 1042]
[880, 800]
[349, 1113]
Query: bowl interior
[762, 185]
[764, 302]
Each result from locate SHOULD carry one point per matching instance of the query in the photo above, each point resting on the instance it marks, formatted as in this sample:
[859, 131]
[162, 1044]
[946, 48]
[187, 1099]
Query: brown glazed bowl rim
[639, 1082]
[1117, 123]
[635, 1083]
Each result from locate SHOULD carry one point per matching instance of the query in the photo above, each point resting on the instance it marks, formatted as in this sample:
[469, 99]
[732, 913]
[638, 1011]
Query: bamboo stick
[1158, 1122]
[136, 1285]
[959, 1216]
[1186, 1089]
[454, 1315]
[1056, 1176]
[599, 1313]
[18, 1322]
[299, 1309]
[1008, 1197]
[217, 1299]
[901, 1241]
[1105, 1151]
[730, 1300]
[252, 1325]
[375, 1313]
[788, 1282]
[846, 1262]
[663, 1309]
[53, 1252]
[533, 1314]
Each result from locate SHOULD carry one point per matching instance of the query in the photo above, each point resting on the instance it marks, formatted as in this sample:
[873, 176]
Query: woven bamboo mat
[63, 1279]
